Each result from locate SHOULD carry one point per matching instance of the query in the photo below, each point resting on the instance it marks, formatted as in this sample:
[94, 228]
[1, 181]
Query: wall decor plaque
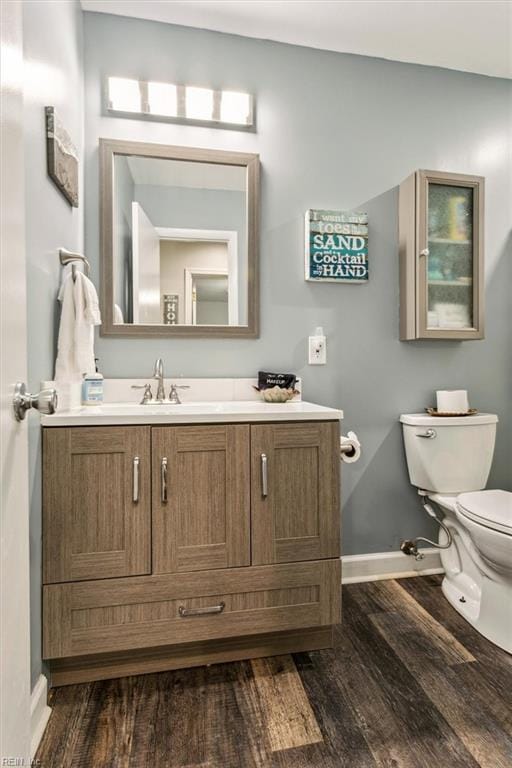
[170, 308]
[336, 246]
[62, 157]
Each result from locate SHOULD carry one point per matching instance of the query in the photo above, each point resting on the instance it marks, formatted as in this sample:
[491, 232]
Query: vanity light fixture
[124, 94]
[198, 103]
[163, 99]
[179, 103]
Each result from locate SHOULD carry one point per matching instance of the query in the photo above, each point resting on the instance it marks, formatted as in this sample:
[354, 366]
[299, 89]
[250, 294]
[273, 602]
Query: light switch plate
[317, 350]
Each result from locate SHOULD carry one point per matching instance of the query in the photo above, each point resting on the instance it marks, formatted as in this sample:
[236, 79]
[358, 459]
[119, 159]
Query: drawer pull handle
[264, 475]
[163, 478]
[136, 464]
[184, 612]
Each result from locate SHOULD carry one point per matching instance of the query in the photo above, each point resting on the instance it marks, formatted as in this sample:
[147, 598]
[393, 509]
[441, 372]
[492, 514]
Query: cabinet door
[201, 497]
[96, 503]
[295, 492]
[451, 255]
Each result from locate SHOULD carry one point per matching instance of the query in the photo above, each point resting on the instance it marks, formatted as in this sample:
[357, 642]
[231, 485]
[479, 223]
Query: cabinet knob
[424, 252]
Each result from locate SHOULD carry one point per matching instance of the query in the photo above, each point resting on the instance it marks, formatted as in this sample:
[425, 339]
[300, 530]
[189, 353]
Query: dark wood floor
[409, 685]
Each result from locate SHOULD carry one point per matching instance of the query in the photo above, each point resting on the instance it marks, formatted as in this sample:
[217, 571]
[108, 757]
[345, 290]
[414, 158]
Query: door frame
[15, 693]
[228, 236]
[190, 304]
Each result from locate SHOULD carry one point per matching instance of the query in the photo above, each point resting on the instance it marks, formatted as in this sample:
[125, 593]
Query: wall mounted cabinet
[172, 546]
[441, 241]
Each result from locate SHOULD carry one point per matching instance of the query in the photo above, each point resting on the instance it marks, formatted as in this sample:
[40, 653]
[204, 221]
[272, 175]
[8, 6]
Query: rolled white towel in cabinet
[350, 448]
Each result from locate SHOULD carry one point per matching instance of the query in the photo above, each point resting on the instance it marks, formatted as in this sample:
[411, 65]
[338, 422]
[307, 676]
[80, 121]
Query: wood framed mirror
[179, 241]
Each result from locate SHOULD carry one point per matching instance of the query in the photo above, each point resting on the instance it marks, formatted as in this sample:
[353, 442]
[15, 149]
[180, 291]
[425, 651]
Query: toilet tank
[449, 454]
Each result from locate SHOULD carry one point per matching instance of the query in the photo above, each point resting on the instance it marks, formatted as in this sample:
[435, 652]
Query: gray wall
[53, 51]
[334, 131]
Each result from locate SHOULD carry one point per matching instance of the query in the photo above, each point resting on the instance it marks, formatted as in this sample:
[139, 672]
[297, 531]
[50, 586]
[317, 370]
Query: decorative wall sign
[336, 246]
[62, 157]
[171, 308]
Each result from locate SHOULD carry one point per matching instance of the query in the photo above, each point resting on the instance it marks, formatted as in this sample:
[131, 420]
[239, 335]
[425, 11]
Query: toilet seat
[492, 509]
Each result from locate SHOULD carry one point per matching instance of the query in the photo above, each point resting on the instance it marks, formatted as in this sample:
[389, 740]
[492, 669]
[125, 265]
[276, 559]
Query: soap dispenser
[92, 387]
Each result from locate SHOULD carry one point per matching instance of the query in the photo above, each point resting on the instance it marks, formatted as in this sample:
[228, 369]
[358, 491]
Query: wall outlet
[317, 350]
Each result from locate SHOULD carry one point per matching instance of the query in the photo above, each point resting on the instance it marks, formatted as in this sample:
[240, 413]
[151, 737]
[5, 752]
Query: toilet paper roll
[452, 400]
[350, 448]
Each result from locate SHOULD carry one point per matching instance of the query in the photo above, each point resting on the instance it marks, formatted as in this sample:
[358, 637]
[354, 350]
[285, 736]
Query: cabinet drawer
[142, 612]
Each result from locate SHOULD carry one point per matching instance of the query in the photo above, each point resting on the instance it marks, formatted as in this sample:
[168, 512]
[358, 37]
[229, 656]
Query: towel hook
[67, 257]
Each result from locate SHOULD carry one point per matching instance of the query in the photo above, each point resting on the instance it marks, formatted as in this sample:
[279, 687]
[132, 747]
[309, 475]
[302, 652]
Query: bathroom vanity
[181, 535]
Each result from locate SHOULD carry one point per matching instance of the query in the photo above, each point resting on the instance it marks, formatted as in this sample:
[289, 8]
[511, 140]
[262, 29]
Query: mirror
[179, 241]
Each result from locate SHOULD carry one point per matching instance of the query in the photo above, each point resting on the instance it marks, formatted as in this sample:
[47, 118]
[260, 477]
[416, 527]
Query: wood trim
[139, 662]
[107, 149]
[378, 566]
[39, 713]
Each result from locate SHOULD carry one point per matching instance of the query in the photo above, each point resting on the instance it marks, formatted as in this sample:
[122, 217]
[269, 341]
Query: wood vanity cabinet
[173, 546]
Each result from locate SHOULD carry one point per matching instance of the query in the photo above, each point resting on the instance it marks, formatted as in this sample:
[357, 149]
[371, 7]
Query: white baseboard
[388, 565]
[39, 713]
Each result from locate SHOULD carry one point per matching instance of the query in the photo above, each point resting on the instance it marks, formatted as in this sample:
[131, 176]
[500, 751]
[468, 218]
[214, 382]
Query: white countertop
[112, 414]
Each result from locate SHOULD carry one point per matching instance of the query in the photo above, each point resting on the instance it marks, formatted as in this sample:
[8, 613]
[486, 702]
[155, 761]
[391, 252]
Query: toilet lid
[490, 508]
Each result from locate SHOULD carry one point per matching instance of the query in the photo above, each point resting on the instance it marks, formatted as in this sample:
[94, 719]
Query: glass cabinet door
[449, 263]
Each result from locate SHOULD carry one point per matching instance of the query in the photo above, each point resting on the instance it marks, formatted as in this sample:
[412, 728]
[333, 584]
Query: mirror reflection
[179, 242]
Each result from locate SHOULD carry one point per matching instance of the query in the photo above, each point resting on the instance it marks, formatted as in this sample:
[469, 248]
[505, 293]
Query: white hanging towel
[118, 314]
[80, 313]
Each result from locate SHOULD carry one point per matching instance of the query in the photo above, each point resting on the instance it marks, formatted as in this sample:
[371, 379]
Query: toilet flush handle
[429, 434]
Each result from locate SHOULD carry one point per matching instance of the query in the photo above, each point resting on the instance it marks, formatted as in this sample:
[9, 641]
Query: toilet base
[481, 597]
[496, 628]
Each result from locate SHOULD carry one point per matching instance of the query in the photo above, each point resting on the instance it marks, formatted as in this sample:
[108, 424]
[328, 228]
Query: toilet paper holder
[350, 448]
[347, 450]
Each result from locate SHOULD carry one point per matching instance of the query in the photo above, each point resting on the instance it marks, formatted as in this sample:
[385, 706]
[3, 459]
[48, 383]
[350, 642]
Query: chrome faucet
[158, 374]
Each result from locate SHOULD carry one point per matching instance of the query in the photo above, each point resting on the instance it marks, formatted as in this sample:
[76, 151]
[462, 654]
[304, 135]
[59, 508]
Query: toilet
[449, 460]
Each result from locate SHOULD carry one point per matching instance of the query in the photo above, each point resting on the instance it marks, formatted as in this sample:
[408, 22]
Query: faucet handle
[173, 394]
[148, 394]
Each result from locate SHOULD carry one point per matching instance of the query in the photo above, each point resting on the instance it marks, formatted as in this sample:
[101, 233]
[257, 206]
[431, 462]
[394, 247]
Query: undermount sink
[191, 412]
[228, 406]
[204, 401]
